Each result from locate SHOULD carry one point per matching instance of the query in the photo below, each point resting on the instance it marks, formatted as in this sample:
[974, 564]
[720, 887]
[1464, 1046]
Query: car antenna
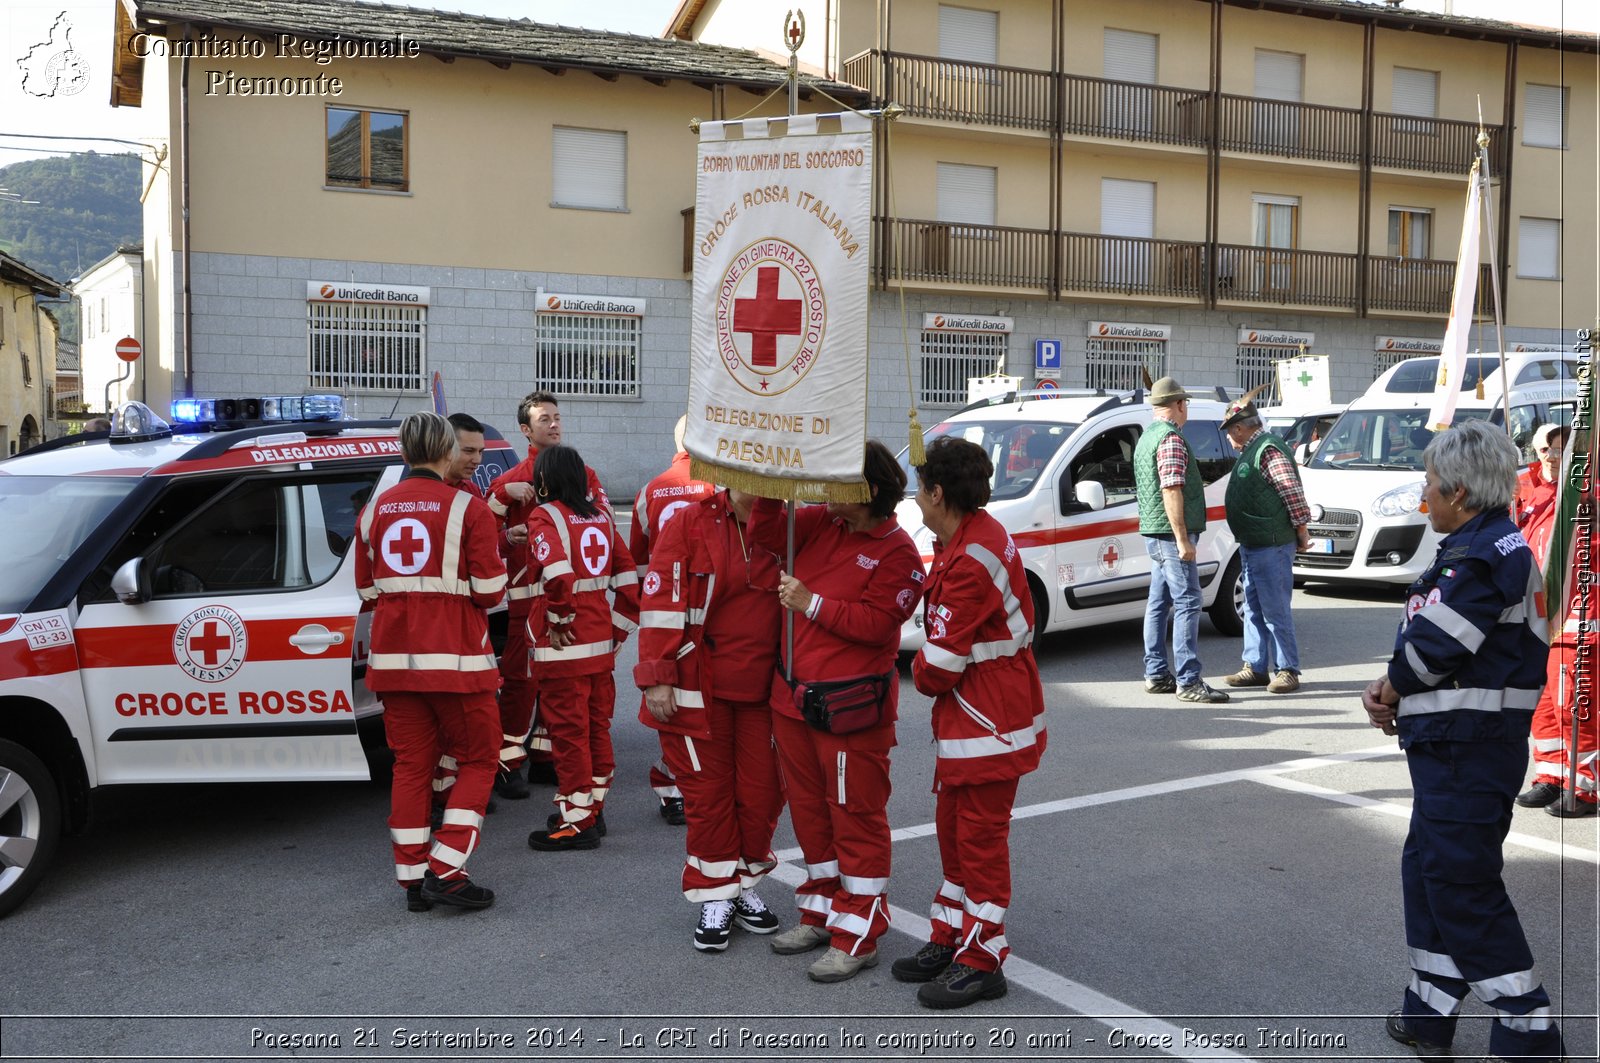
[393, 408]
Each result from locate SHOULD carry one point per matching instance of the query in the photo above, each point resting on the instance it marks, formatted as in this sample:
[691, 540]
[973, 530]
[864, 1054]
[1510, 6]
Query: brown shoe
[1284, 682]
[1246, 677]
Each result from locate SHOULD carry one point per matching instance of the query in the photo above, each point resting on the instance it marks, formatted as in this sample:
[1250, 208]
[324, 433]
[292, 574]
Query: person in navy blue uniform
[1468, 665]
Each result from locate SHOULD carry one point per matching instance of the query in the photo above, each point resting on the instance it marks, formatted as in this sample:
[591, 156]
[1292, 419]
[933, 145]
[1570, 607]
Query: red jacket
[572, 562]
[659, 501]
[511, 513]
[864, 586]
[977, 665]
[1535, 493]
[427, 560]
[698, 605]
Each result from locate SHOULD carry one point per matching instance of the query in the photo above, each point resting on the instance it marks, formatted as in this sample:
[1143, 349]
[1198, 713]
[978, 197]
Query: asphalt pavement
[1190, 881]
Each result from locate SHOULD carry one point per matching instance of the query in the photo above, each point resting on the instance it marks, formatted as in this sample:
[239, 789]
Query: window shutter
[968, 35]
[590, 168]
[1544, 117]
[1130, 56]
[1539, 248]
[1127, 208]
[1415, 92]
[966, 193]
[1278, 75]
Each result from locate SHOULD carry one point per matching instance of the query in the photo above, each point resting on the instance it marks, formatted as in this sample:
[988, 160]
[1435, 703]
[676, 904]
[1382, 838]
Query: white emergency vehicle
[1364, 482]
[180, 606]
[1063, 487]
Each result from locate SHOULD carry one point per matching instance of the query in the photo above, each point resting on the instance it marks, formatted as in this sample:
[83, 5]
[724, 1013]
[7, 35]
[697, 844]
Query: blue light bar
[271, 407]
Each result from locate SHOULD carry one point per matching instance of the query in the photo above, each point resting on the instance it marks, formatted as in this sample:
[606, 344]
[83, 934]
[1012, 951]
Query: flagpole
[794, 35]
[1497, 306]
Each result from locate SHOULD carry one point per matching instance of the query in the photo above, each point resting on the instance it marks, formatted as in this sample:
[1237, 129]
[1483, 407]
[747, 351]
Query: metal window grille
[1115, 363]
[1256, 367]
[1383, 361]
[367, 347]
[593, 356]
[949, 358]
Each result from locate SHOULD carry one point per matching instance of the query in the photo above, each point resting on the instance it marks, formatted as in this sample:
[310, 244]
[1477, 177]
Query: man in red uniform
[511, 499]
[659, 501]
[1536, 482]
[427, 561]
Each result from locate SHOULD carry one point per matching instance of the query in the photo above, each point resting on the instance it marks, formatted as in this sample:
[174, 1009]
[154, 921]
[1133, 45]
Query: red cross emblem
[766, 317]
[1110, 557]
[210, 643]
[594, 550]
[406, 546]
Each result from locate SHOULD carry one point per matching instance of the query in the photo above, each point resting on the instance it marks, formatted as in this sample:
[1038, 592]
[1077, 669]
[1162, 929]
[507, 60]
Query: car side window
[1108, 460]
[1212, 450]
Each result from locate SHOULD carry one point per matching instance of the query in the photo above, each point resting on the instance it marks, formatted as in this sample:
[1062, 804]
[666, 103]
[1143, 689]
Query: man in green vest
[1267, 513]
[1172, 514]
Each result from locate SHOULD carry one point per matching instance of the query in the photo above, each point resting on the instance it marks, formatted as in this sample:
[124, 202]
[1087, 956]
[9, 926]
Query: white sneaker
[837, 965]
[801, 938]
[752, 915]
[715, 926]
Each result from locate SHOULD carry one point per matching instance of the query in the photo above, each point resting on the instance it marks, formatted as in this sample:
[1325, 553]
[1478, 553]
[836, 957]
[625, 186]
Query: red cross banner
[778, 364]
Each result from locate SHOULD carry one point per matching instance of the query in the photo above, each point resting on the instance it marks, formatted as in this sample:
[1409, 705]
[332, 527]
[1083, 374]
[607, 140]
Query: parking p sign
[1047, 359]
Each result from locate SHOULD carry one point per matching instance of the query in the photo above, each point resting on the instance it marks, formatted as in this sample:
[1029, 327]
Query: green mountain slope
[88, 205]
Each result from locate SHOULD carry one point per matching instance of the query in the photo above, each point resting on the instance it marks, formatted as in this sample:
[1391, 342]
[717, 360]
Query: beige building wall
[110, 302]
[1183, 51]
[1332, 51]
[1022, 29]
[1469, 72]
[25, 332]
[1022, 177]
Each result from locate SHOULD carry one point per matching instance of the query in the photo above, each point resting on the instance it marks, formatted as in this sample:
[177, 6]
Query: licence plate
[1320, 546]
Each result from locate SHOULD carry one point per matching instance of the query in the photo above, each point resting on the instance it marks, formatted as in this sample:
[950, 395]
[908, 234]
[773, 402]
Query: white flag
[1453, 356]
[778, 350]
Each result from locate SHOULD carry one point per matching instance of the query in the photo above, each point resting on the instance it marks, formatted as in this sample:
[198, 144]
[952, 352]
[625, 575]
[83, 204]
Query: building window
[367, 149]
[589, 356]
[967, 194]
[949, 358]
[1410, 232]
[27, 370]
[1415, 93]
[1539, 248]
[968, 35]
[367, 347]
[1129, 63]
[1116, 364]
[1279, 84]
[1544, 117]
[589, 168]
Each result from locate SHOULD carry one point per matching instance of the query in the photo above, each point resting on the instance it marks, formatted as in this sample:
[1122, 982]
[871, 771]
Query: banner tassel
[918, 453]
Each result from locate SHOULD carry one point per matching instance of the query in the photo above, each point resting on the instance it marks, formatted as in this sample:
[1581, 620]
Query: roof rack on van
[1115, 397]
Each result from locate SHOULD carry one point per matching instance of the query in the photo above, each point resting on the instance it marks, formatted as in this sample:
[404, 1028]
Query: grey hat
[1166, 391]
[1239, 410]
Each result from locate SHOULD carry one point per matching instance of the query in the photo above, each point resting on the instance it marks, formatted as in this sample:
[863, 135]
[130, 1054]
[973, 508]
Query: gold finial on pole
[892, 110]
[794, 35]
[694, 125]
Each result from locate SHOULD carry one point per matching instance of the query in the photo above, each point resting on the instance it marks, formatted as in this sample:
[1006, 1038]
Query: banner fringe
[755, 483]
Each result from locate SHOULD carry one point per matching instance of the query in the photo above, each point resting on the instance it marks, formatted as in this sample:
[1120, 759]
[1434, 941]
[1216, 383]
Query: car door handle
[314, 638]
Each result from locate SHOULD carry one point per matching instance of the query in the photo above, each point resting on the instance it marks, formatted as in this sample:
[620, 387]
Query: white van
[1063, 487]
[1364, 482]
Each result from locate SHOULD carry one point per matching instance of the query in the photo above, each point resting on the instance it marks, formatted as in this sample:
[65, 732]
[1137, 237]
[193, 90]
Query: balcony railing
[1020, 98]
[1130, 266]
[1420, 285]
[990, 255]
[1284, 275]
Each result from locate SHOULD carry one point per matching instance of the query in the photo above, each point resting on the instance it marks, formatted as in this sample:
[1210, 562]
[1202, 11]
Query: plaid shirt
[1172, 461]
[1279, 471]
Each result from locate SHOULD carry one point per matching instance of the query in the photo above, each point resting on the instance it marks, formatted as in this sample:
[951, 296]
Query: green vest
[1257, 515]
[1152, 514]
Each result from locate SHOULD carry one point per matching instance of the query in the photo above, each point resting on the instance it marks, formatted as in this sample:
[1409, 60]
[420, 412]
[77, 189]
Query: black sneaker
[672, 811]
[716, 926]
[753, 915]
[1160, 684]
[928, 964]
[1539, 795]
[563, 839]
[510, 785]
[460, 892]
[542, 771]
[415, 901]
[1200, 692]
[598, 826]
[1427, 1051]
[959, 985]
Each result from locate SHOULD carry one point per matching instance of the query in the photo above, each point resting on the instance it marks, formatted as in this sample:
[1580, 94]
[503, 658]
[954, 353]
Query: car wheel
[1041, 608]
[30, 823]
[1227, 611]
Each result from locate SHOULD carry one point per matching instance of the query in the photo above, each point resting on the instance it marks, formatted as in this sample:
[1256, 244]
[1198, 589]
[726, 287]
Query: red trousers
[419, 726]
[663, 779]
[731, 797]
[519, 694]
[838, 792]
[969, 911]
[1552, 719]
[577, 710]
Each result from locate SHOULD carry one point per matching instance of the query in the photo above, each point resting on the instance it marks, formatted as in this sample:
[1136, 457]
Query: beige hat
[1166, 391]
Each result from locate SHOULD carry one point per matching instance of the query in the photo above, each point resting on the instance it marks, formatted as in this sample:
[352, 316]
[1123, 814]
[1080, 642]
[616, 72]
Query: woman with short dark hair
[988, 722]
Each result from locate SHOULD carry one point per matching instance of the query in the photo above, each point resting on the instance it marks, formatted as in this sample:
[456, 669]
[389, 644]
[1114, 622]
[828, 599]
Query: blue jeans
[1174, 596]
[1268, 574]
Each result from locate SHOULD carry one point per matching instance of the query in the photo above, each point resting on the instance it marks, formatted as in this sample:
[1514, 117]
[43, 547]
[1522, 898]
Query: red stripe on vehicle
[151, 644]
[17, 660]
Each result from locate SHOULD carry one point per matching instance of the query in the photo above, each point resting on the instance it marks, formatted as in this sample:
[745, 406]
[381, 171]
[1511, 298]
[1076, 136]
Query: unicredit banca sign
[359, 292]
[562, 303]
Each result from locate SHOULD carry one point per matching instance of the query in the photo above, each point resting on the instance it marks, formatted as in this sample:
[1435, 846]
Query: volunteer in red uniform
[988, 722]
[575, 558]
[708, 645]
[511, 499]
[1536, 482]
[427, 561]
[658, 502]
[856, 579]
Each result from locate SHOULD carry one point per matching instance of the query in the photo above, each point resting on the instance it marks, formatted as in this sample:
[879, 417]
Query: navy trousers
[1461, 928]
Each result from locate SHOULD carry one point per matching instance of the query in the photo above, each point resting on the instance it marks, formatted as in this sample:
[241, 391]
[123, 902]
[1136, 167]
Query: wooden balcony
[1020, 98]
[989, 256]
[1422, 286]
[1286, 276]
[1126, 265]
